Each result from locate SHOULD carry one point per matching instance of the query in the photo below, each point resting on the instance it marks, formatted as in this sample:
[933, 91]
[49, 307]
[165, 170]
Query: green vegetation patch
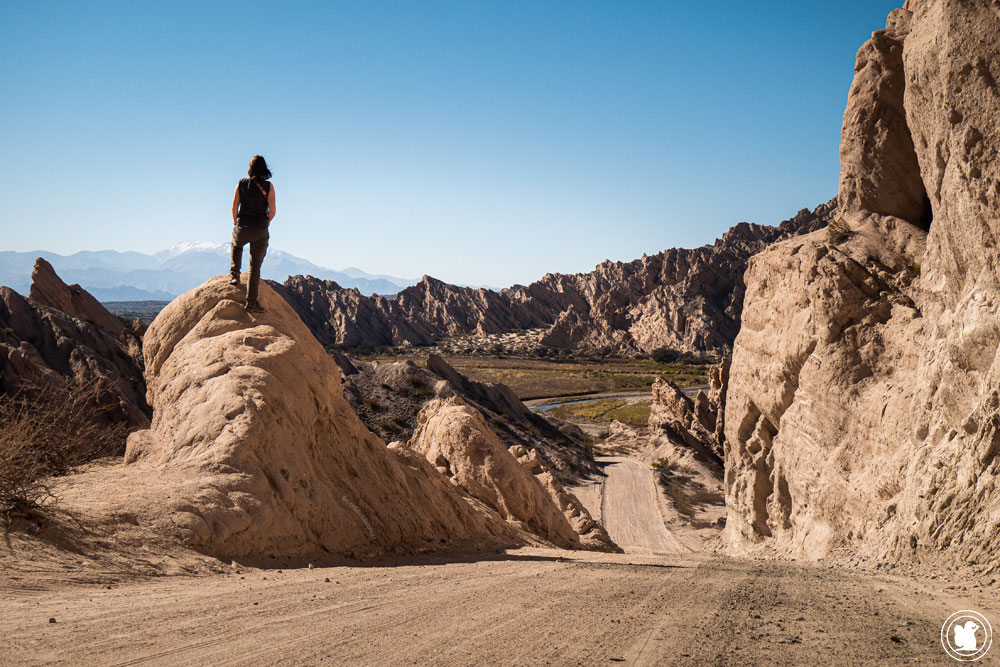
[532, 378]
[593, 410]
[536, 378]
[634, 414]
[606, 410]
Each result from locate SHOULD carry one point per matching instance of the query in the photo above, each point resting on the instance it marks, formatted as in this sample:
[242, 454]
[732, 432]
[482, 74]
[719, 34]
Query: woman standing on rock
[253, 210]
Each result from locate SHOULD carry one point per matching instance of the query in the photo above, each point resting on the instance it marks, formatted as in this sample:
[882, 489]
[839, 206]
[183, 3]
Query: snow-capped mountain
[188, 246]
[132, 276]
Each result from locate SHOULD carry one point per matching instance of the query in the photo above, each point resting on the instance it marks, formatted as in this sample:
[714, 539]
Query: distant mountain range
[134, 276]
[685, 299]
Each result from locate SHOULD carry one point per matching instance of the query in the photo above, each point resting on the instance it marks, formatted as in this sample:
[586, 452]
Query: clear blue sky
[479, 142]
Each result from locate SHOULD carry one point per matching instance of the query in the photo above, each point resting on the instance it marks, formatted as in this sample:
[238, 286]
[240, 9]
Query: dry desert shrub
[43, 433]
[837, 232]
[890, 487]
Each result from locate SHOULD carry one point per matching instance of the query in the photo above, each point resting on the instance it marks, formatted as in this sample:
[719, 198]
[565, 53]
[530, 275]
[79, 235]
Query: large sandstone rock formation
[248, 411]
[591, 534]
[61, 338]
[863, 414]
[689, 300]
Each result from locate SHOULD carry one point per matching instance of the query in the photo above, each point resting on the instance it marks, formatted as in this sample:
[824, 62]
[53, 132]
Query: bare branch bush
[44, 432]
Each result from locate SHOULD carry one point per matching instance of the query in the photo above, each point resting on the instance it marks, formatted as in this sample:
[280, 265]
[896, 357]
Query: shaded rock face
[248, 412]
[880, 171]
[457, 442]
[715, 412]
[689, 300]
[863, 411]
[62, 338]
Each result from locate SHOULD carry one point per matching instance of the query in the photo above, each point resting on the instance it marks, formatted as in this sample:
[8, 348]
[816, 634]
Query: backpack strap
[260, 188]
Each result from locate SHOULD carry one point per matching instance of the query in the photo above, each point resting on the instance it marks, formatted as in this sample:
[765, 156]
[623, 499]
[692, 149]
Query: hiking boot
[253, 308]
[234, 280]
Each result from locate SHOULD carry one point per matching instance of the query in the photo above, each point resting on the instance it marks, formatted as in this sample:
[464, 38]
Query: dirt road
[528, 607]
[629, 509]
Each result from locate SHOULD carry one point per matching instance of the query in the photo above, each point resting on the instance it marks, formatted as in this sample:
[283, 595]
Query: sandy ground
[525, 607]
[639, 516]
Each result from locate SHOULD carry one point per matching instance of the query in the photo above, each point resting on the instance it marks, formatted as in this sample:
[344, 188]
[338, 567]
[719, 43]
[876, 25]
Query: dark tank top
[253, 203]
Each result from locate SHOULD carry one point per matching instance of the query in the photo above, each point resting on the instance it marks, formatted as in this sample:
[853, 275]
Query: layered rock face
[61, 338]
[248, 411]
[591, 535]
[863, 412]
[689, 300]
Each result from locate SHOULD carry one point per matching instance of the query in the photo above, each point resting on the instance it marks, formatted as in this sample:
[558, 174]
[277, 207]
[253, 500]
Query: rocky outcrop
[500, 400]
[689, 300]
[389, 396]
[257, 452]
[346, 318]
[456, 440]
[47, 289]
[591, 534]
[863, 411]
[44, 346]
[714, 417]
[696, 423]
[880, 173]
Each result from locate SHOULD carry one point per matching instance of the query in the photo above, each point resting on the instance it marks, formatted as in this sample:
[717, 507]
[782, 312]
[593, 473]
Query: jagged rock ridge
[61, 337]
[686, 299]
[515, 483]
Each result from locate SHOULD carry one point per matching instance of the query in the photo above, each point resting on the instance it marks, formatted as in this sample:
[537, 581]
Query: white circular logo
[966, 636]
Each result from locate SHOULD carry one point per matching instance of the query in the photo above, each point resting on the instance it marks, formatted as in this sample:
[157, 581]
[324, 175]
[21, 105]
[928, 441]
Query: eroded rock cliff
[863, 414]
[697, 423]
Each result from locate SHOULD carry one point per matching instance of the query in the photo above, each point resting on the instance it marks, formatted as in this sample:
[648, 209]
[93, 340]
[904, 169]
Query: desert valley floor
[655, 604]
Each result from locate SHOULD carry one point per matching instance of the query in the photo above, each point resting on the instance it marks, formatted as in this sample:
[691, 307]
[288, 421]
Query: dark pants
[257, 238]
